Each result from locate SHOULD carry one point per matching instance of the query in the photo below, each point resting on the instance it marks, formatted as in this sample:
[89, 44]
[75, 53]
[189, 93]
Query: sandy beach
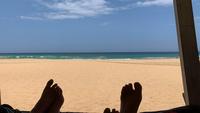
[92, 85]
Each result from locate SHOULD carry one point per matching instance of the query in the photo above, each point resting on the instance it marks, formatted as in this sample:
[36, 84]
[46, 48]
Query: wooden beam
[188, 51]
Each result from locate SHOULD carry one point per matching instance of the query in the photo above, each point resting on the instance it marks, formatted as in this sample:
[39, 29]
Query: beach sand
[92, 85]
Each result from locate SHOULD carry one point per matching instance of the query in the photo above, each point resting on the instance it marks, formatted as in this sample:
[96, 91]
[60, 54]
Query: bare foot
[58, 102]
[131, 98]
[47, 98]
[107, 110]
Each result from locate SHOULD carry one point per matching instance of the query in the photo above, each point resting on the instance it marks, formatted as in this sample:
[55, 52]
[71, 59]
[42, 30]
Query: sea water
[107, 55]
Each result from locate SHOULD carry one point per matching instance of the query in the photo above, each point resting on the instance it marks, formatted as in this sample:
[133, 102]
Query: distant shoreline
[104, 56]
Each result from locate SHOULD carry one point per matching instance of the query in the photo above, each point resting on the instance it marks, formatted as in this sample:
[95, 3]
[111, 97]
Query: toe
[53, 90]
[60, 95]
[127, 90]
[130, 85]
[130, 89]
[138, 87]
[59, 90]
[54, 86]
[113, 110]
[50, 82]
[123, 92]
[48, 85]
[107, 110]
[138, 91]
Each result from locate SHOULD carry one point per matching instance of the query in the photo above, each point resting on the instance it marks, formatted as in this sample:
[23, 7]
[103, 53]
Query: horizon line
[87, 52]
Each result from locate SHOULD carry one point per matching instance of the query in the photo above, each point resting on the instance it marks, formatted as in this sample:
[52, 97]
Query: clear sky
[89, 25]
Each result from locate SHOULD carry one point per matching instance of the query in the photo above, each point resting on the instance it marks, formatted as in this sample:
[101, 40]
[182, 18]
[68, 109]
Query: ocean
[108, 55]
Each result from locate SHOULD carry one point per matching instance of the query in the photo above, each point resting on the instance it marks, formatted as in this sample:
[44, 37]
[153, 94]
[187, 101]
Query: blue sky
[89, 25]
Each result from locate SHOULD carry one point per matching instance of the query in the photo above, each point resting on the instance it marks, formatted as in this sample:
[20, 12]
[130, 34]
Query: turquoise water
[125, 55]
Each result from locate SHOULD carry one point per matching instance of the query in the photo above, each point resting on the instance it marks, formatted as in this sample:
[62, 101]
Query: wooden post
[188, 51]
